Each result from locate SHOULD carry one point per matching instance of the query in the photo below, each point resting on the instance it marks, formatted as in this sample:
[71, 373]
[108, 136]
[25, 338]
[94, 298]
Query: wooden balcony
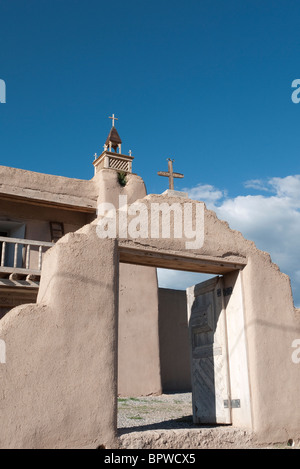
[21, 260]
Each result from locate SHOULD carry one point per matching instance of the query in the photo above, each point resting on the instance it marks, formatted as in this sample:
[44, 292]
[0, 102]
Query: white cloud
[288, 187]
[205, 192]
[257, 184]
[271, 220]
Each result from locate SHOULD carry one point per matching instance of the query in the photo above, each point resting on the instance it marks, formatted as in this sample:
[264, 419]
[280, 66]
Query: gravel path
[155, 412]
[165, 422]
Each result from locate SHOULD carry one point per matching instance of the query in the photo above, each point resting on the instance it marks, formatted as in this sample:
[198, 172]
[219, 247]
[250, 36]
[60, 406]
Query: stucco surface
[47, 188]
[138, 336]
[270, 320]
[58, 386]
[174, 347]
[109, 189]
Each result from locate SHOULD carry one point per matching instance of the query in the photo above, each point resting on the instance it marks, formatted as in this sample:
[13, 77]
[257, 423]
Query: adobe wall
[237, 349]
[174, 349]
[59, 384]
[271, 327]
[138, 374]
[138, 337]
[270, 320]
[47, 188]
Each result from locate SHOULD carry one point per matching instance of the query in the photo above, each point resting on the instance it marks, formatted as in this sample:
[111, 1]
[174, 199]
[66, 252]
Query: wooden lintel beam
[177, 262]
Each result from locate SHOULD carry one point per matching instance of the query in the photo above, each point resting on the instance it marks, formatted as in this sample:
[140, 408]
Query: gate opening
[165, 361]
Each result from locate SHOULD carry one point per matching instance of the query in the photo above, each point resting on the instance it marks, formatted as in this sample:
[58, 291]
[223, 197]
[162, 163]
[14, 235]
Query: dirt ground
[165, 422]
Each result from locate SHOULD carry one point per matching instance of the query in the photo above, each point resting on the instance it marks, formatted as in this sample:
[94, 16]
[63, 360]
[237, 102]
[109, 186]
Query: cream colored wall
[47, 188]
[109, 189]
[138, 337]
[271, 324]
[68, 339]
[136, 377]
[237, 350]
[174, 349]
[138, 341]
[59, 383]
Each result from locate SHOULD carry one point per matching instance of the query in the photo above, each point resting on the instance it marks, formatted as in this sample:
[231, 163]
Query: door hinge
[226, 291]
[234, 403]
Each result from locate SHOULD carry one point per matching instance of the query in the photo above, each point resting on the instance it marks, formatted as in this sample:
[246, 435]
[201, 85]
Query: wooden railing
[15, 255]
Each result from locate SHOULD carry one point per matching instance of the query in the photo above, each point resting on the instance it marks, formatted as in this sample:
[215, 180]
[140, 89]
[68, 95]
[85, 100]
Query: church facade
[95, 328]
[39, 209]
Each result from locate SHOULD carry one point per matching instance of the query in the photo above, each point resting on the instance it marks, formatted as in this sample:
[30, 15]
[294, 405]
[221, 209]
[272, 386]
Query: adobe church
[83, 319]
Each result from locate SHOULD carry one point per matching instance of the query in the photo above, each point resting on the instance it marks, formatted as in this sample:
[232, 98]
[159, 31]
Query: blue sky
[205, 82]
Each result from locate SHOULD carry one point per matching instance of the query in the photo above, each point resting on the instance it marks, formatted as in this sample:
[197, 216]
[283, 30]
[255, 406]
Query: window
[57, 231]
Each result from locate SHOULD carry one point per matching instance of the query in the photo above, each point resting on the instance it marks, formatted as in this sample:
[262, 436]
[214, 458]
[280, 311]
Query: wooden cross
[170, 174]
[113, 119]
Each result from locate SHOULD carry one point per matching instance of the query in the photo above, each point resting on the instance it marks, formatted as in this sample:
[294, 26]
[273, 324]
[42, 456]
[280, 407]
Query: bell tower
[110, 158]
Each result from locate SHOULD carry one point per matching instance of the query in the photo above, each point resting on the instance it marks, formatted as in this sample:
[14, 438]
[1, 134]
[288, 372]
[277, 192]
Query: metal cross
[170, 174]
[113, 119]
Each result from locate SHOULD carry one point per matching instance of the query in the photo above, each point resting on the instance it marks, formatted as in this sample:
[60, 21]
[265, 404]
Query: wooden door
[208, 349]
